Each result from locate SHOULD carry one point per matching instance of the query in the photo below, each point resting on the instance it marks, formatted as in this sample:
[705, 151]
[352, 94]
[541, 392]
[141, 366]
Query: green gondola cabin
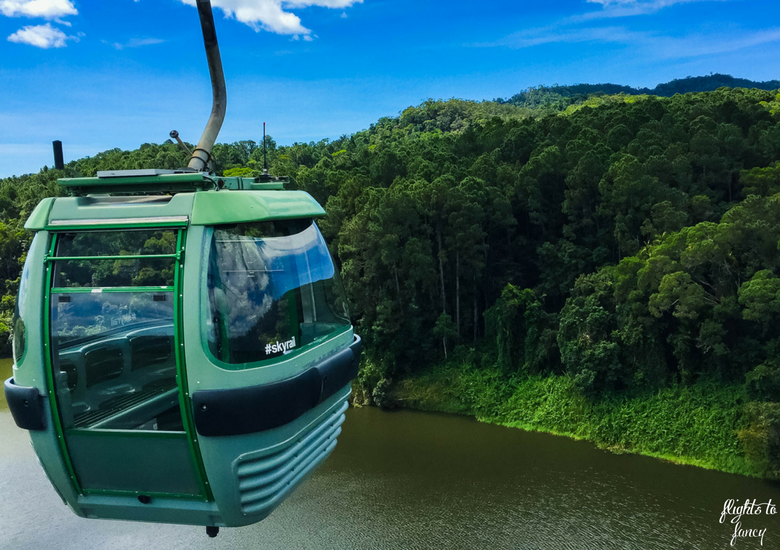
[183, 350]
[182, 346]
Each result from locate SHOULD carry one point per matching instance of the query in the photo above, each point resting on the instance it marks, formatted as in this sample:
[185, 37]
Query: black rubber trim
[257, 408]
[26, 405]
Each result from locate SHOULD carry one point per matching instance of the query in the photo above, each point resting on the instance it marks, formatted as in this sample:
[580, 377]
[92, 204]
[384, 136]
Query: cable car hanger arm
[201, 156]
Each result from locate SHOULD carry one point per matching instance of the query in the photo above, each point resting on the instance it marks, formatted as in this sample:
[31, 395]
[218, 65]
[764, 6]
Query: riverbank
[6, 370]
[710, 426]
[423, 480]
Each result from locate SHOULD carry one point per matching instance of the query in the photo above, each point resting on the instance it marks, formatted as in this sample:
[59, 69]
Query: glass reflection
[273, 289]
[118, 272]
[114, 361]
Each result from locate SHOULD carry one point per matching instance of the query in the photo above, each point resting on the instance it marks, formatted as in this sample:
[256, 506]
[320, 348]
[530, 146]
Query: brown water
[418, 481]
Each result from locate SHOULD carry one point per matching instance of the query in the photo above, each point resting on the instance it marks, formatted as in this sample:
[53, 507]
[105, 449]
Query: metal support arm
[201, 156]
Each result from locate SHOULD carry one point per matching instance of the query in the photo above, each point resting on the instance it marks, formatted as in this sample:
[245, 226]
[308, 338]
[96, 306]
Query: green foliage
[167, 156]
[761, 438]
[559, 97]
[764, 182]
[626, 240]
[368, 378]
[613, 250]
[444, 327]
[18, 198]
[763, 382]
[382, 395]
[760, 297]
[707, 425]
[524, 333]
[242, 171]
[701, 303]
[586, 336]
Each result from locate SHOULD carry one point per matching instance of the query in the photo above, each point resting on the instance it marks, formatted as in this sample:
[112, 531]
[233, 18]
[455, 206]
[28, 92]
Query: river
[410, 480]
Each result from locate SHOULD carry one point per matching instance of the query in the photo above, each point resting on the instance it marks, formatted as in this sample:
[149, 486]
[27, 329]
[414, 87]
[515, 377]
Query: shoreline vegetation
[6, 371]
[592, 260]
[710, 426]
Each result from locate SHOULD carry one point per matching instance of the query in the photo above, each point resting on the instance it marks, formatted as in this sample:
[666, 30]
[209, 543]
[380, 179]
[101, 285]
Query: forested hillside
[626, 243]
[559, 97]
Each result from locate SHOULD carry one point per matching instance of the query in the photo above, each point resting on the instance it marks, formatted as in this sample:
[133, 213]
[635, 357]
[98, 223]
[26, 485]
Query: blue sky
[119, 73]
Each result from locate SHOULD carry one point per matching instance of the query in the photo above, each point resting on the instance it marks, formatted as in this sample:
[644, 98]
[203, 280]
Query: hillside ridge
[561, 96]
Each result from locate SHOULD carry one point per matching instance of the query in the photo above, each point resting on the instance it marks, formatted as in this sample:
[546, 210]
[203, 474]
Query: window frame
[205, 312]
[189, 433]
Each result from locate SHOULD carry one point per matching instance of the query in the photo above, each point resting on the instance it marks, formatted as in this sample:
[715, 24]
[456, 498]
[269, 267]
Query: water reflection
[412, 480]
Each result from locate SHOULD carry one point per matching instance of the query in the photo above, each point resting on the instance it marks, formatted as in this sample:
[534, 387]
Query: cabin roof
[169, 199]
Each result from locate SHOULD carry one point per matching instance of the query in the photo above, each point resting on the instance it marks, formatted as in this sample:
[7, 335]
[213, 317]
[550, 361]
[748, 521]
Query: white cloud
[270, 15]
[627, 8]
[702, 44]
[47, 9]
[136, 43]
[321, 3]
[646, 4]
[41, 36]
[554, 34]
[570, 30]
[622, 2]
[648, 43]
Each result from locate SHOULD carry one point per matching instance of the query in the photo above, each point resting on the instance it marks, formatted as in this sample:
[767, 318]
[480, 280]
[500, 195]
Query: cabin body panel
[220, 207]
[121, 353]
[158, 510]
[30, 369]
[250, 475]
[284, 455]
[105, 211]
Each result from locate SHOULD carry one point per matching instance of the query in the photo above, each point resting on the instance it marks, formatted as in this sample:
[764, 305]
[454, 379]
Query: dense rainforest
[610, 249]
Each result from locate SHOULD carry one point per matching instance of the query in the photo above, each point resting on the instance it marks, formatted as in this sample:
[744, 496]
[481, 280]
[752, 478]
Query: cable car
[182, 345]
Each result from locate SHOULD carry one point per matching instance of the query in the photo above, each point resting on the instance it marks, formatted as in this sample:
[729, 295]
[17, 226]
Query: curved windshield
[272, 289]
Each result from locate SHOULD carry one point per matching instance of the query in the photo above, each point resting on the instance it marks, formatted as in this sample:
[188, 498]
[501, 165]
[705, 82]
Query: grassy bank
[6, 366]
[710, 426]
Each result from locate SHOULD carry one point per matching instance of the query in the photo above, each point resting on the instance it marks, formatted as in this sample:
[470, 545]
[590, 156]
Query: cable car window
[93, 259]
[116, 243]
[19, 343]
[114, 273]
[84, 316]
[273, 290]
[114, 360]
[112, 330]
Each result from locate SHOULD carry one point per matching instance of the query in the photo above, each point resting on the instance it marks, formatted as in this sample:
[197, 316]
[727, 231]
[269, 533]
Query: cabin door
[116, 362]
